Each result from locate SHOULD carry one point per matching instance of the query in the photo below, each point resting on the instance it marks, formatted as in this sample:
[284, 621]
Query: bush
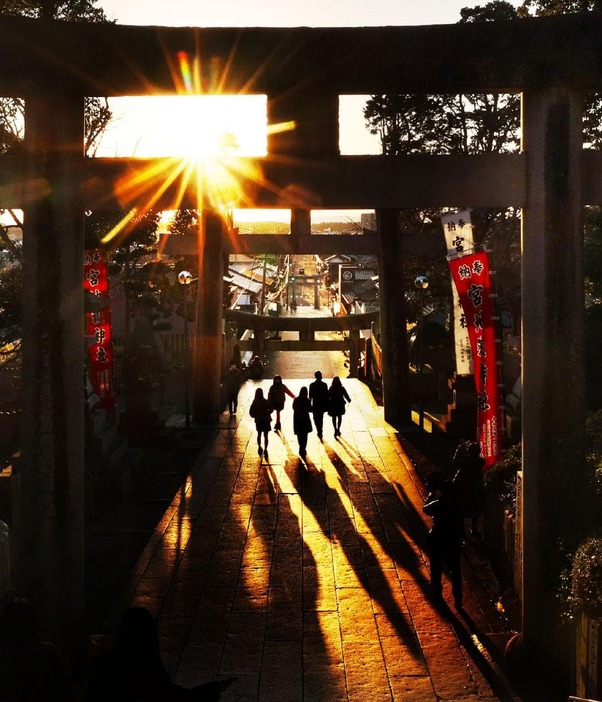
[585, 593]
[581, 582]
[500, 479]
[593, 430]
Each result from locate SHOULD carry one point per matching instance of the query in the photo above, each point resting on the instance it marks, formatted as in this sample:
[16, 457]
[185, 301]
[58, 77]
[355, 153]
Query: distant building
[368, 221]
[358, 285]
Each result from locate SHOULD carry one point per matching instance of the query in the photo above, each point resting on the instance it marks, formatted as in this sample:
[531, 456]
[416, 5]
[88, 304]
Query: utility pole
[262, 300]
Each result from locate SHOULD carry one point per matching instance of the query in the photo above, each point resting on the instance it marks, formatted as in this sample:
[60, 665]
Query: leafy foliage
[12, 110]
[11, 285]
[70, 10]
[11, 123]
[492, 12]
[446, 124]
[593, 259]
[593, 432]
[472, 124]
[500, 479]
[545, 8]
[592, 118]
[581, 580]
[582, 586]
[443, 124]
[146, 281]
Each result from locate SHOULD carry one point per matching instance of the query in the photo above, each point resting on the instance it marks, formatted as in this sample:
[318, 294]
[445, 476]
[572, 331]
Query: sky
[139, 131]
[286, 13]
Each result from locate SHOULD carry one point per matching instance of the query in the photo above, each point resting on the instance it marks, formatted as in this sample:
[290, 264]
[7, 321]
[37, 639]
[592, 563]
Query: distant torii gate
[302, 71]
[306, 328]
[314, 280]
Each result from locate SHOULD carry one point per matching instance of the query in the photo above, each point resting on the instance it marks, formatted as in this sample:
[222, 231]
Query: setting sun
[189, 126]
[204, 141]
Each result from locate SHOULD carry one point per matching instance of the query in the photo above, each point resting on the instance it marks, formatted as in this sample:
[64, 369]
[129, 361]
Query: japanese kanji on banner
[100, 352]
[471, 277]
[457, 229]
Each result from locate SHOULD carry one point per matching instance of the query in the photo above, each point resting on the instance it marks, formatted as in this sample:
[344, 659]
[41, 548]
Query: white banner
[457, 229]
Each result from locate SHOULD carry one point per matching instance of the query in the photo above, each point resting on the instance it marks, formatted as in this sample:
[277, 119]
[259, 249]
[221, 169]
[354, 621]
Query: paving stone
[408, 688]
[447, 666]
[211, 622]
[356, 615]
[365, 672]
[396, 624]
[323, 625]
[320, 685]
[322, 652]
[425, 616]
[403, 655]
[283, 624]
[282, 672]
[240, 658]
[244, 688]
[199, 663]
[313, 584]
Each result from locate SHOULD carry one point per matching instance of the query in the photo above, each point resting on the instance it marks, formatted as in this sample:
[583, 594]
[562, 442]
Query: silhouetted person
[236, 357]
[255, 369]
[277, 395]
[468, 482]
[233, 380]
[261, 411]
[318, 394]
[31, 670]
[337, 396]
[445, 539]
[302, 420]
[133, 669]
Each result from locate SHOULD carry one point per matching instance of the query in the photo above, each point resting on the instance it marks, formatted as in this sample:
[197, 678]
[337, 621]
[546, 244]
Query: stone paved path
[309, 581]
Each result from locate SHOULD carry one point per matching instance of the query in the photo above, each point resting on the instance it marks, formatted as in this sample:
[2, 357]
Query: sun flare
[206, 148]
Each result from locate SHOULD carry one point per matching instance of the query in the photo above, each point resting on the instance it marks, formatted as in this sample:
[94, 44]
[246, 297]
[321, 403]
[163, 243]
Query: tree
[70, 10]
[545, 8]
[97, 116]
[592, 119]
[492, 12]
[592, 235]
[12, 110]
[442, 124]
[446, 124]
[11, 283]
[593, 259]
[133, 259]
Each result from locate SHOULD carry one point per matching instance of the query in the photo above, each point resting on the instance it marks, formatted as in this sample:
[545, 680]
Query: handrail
[572, 698]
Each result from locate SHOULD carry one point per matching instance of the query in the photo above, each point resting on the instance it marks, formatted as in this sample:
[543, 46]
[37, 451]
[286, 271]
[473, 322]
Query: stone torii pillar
[553, 407]
[48, 548]
[207, 364]
[396, 383]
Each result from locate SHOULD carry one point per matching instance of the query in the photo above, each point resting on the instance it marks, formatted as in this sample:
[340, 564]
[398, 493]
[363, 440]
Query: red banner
[100, 352]
[470, 274]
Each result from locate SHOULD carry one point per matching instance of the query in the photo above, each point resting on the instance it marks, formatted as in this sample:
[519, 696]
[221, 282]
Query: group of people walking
[450, 501]
[318, 400]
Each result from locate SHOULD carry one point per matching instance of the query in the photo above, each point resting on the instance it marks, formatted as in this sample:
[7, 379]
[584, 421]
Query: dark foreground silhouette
[31, 670]
[133, 669]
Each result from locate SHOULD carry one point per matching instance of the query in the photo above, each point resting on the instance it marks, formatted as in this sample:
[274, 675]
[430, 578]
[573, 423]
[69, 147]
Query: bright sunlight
[203, 141]
[186, 126]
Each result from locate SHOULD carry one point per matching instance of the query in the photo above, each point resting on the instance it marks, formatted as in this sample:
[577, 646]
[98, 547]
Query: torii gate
[551, 61]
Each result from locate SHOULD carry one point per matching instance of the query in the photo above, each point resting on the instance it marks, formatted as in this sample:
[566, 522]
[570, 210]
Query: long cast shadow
[339, 530]
[314, 643]
[403, 522]
[472, 639]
